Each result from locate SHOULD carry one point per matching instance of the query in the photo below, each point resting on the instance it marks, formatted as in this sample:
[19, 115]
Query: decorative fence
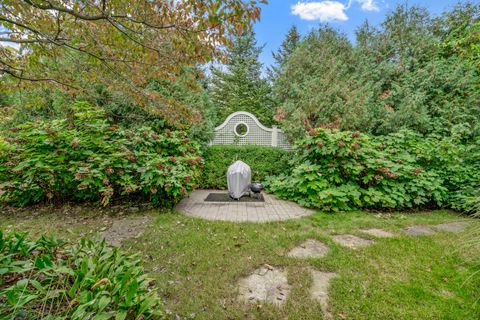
[243, 128]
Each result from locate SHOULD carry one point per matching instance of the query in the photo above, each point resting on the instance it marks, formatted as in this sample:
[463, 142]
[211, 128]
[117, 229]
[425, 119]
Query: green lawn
[197, 263]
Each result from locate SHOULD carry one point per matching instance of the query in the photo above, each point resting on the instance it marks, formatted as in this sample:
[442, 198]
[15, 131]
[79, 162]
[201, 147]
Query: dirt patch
[266, 284]
[125, 228]
[418, 231]
[380, 233]
[455, 227]
[351, 241]
[319, 289]
[309, 249]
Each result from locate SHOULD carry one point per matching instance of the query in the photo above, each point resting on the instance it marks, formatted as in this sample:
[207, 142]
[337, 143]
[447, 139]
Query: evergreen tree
[238, 85]
[411, 71]
[292, 39]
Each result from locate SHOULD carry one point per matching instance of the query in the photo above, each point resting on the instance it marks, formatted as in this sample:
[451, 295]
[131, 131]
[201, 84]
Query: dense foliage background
[410, 87]
[412, 71]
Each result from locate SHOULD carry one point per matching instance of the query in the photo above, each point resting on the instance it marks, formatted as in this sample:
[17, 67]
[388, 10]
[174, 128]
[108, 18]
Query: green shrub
[457, 161]
[264, 161]
[343, 170]
[48, 279]
[84, 158]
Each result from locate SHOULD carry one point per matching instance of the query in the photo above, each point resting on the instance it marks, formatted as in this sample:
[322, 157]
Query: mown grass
[197, 264]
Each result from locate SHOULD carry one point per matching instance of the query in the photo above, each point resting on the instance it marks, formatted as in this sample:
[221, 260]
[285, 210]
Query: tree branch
[20, 77]
[24, 40]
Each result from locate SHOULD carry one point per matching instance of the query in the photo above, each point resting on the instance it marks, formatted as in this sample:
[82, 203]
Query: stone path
[455, 227]
[273, 209]
[379, 233]
[123, 229]
[351, 241]
[270, 284]
[266, 284]
[320, 288]
[418, 231]
[309, 249]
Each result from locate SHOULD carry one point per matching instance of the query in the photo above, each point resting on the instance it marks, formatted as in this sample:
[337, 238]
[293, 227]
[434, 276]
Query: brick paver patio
[273, 209]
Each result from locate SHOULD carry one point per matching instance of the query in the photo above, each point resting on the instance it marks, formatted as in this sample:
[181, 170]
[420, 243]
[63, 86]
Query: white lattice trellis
[253, 132]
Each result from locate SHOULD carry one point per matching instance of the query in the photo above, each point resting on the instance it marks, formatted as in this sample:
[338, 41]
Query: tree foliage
[238, 85]
[413, 71]
[287, 47]
[120, 44]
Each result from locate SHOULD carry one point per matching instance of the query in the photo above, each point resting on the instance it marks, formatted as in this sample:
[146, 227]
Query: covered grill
[239, 178]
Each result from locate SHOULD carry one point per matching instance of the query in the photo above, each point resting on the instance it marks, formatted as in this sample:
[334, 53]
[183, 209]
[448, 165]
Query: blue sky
[345, 15]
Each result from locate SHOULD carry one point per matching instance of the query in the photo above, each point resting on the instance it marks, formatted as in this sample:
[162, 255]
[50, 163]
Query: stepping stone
[266, 284]
[309, 249]
[455, 227]
[123, 229]
[351, 241]
[320, 288]
[380, 233]
[418, 231]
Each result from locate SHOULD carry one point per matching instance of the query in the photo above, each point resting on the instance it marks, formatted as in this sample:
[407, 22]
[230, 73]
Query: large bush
[264, 162]
[343, 170]
[85, 158]
[48, 279]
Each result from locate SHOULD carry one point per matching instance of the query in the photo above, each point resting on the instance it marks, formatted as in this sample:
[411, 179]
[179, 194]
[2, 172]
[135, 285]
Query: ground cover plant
[264, 162]
[49, 279]
[343, 170]
[196, 263]
[85, 158]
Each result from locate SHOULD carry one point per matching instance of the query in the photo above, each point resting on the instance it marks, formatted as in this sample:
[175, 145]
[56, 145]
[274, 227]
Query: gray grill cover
[239, 178]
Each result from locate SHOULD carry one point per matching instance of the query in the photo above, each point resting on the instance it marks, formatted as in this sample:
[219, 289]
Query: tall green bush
[264, 162]
[85, 158]
[344, 170]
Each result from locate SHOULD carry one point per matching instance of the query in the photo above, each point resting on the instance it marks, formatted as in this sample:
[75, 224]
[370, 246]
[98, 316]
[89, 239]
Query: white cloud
[323, 11]
[368, 5]
[327, 10]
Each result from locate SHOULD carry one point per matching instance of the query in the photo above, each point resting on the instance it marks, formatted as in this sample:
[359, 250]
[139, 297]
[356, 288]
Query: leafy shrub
[47, 279]
[85, 158]
[453, 158]
[343, 170]
[264, 161]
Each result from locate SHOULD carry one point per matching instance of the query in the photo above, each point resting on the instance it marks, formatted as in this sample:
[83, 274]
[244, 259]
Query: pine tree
[275, 72]
[238, 85]
[292, 39]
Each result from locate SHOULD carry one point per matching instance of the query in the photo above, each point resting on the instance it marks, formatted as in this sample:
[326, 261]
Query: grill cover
[239, 177]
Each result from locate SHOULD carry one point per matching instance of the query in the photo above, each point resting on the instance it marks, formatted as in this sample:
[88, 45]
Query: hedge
[264, 162]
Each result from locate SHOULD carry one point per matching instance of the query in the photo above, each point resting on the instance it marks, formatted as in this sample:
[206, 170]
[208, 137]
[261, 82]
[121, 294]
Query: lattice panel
[282, 141]
[257, 134]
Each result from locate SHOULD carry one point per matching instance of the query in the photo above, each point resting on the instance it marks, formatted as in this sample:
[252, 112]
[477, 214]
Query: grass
[197, 263]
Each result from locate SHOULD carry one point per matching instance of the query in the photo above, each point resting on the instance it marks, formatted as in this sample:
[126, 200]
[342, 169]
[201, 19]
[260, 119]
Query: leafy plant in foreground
[48, 279]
